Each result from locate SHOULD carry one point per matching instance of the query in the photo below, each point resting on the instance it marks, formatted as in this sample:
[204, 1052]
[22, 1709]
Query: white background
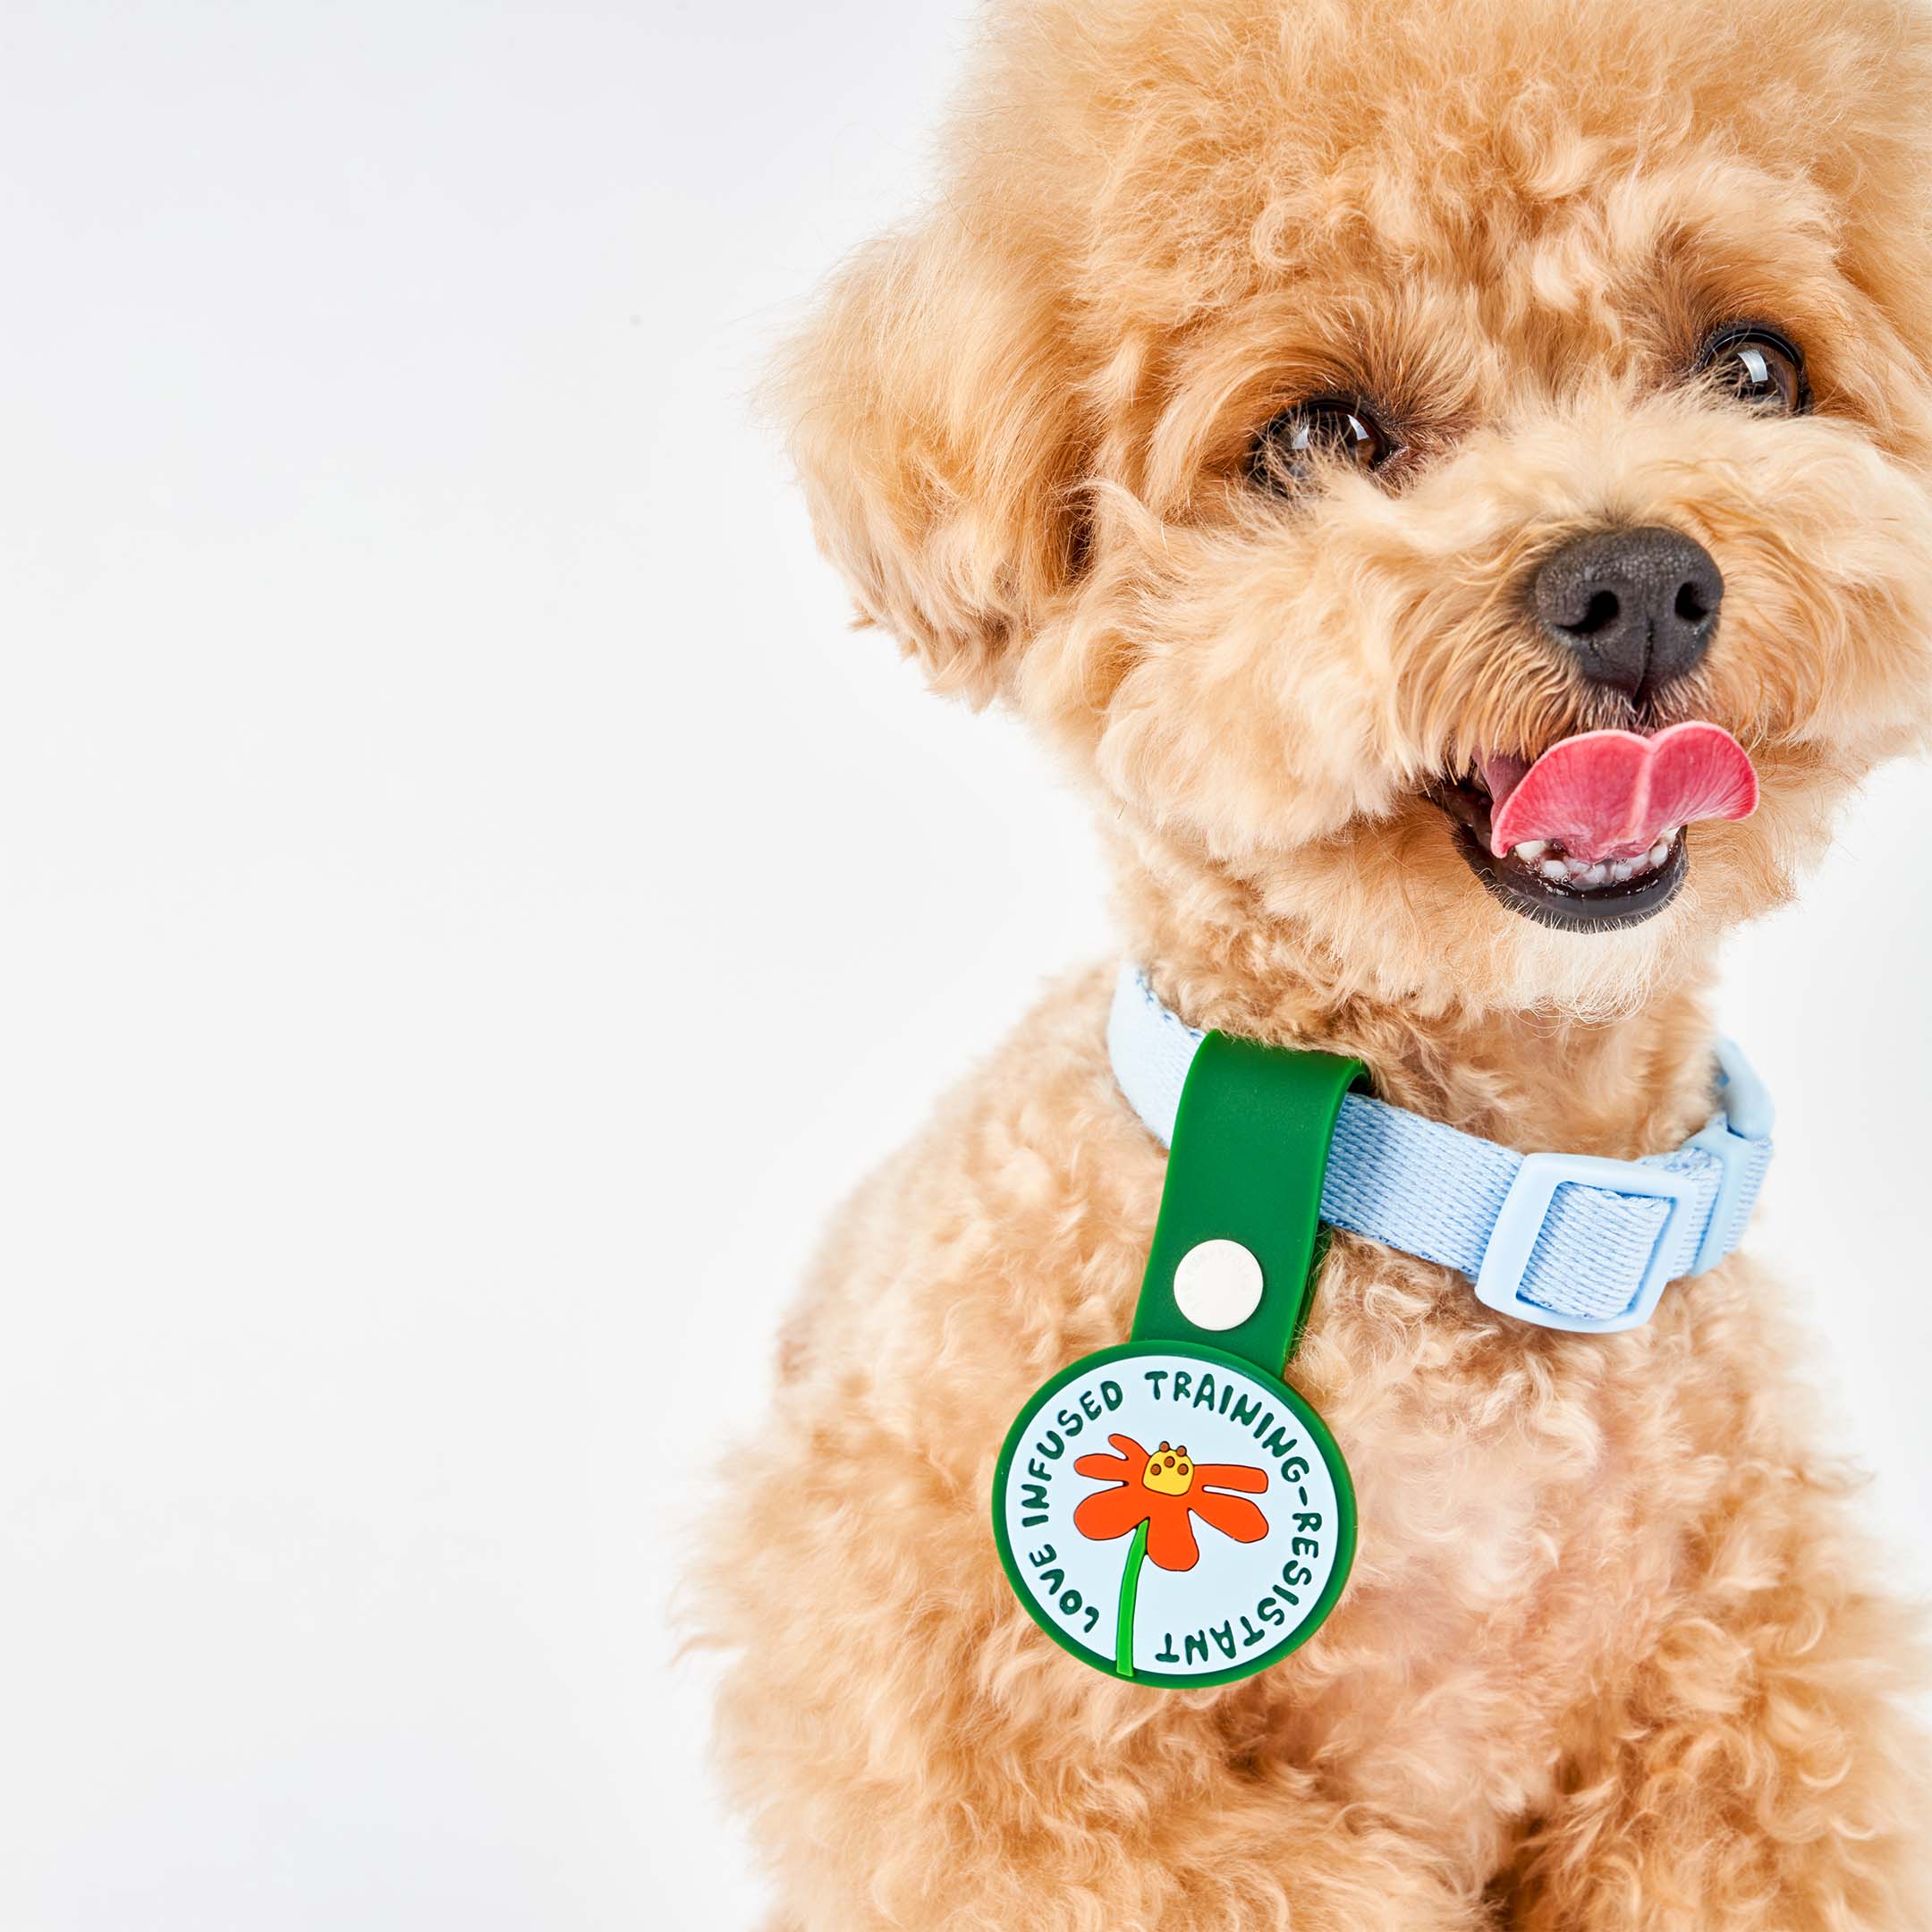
[471, 909]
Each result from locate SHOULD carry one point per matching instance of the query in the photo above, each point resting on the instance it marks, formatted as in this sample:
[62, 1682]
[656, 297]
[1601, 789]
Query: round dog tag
[1171, 1514]
[1170, 1511]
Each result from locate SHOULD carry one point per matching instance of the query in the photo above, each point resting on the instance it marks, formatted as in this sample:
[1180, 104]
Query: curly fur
[1612, 1656]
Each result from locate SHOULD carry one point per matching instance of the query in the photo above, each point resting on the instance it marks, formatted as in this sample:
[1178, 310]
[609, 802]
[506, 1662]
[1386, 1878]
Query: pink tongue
[1607, 794]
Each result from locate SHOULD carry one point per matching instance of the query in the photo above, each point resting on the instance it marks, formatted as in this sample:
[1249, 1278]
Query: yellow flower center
[1168, 1471]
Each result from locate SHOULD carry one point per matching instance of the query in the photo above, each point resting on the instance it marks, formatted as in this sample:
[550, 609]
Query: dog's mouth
[1592, 835]
[1542, 880]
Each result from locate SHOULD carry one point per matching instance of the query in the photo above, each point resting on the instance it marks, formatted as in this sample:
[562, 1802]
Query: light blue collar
[1566, 1241]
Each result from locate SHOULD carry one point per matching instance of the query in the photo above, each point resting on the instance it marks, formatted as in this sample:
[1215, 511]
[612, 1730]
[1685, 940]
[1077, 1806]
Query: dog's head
[1312, 411]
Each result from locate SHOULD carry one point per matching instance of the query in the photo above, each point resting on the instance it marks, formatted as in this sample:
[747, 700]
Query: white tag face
[1180, 1480]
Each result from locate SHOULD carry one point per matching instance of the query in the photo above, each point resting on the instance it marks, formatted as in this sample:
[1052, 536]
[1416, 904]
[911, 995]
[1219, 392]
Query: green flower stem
[1130, 1591]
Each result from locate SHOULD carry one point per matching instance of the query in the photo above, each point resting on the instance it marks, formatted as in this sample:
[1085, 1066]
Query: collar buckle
[1738, 1134]
[1499, 1283]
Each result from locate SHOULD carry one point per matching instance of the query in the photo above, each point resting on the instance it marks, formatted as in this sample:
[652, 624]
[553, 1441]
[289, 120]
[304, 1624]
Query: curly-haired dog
[1307, 412]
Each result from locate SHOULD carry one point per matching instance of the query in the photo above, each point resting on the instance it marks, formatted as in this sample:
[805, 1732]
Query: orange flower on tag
[1165, 1491]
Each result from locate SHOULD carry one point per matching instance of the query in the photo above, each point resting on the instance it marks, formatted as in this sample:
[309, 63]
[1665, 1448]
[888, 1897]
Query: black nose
[1635, 608]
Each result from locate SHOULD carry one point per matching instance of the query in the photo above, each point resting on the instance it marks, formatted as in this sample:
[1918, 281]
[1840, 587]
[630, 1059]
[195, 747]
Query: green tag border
[1303, 1412]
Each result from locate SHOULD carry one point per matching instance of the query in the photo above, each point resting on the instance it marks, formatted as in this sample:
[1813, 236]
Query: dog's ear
[932, 410]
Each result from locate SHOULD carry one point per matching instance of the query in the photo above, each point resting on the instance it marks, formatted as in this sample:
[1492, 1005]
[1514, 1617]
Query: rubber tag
[1169, 1509]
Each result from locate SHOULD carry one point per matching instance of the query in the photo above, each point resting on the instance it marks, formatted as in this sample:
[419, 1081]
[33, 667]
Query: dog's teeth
[1586, 874]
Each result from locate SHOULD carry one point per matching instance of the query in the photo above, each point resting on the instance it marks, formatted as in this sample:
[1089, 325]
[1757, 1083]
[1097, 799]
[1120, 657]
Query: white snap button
[1217, 1284]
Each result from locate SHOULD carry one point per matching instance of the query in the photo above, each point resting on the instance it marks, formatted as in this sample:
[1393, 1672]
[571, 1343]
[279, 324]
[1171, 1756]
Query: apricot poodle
[1344, 428]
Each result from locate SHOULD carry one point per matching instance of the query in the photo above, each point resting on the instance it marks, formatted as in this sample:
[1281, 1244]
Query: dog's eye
[1760, 368]
[1324, 427]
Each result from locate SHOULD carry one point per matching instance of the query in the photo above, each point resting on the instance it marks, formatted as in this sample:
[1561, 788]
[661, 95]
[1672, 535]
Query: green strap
[1250, 1146]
